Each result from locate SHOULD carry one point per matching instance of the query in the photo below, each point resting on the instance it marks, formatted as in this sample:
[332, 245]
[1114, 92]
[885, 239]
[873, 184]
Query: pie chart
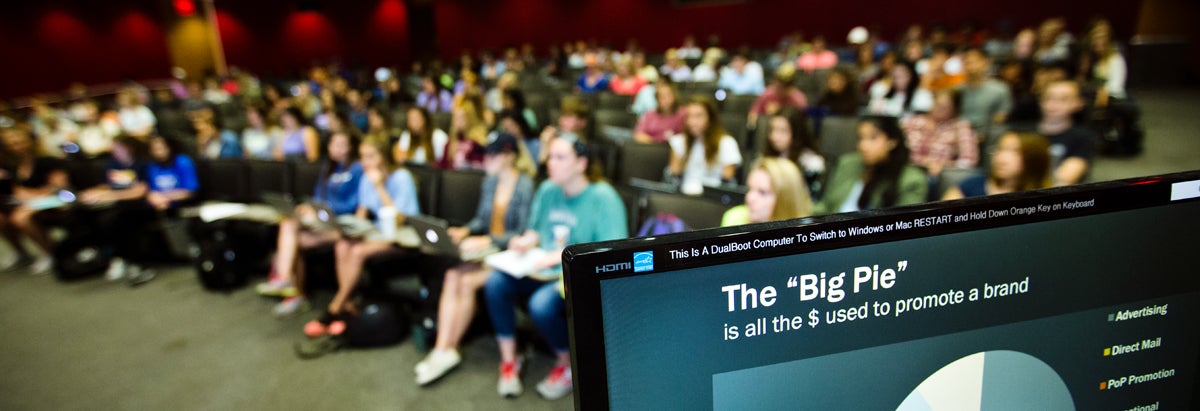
[991, 381]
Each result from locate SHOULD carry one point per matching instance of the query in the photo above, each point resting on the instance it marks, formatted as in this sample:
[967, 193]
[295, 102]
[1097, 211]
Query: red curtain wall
[47, 45]
[276, 37]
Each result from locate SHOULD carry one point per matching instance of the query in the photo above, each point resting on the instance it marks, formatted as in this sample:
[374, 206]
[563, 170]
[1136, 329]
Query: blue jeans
[546, 306]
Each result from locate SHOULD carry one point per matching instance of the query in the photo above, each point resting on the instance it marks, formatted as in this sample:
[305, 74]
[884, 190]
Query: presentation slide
[1077, 313]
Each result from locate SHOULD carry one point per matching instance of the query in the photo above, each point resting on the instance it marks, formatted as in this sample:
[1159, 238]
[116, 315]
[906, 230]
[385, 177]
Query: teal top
[914, 186]
[595, 214]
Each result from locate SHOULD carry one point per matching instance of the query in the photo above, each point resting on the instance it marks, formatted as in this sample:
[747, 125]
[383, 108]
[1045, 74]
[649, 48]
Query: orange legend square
[1103, 385]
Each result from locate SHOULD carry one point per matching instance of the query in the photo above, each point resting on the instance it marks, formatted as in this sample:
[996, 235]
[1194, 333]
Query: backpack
[226, 252]
[662, 223]
[79, 256]
[376, 325]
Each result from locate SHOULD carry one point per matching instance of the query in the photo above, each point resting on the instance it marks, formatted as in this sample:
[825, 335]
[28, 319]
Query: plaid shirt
[951, 143]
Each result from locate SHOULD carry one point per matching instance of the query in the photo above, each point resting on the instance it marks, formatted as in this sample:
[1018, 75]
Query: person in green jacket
[878, 175]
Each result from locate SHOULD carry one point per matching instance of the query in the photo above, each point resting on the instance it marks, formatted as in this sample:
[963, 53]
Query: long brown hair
[422, 137]
[1035, 161]
[712, 134]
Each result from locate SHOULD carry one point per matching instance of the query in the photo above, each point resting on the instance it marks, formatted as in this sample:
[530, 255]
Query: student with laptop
[26, 173]
[573, 206]
[387, 194]
[503, 214]
[337, 189]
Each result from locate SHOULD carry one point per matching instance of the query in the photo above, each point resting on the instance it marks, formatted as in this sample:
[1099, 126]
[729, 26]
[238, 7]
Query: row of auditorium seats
[449, 194]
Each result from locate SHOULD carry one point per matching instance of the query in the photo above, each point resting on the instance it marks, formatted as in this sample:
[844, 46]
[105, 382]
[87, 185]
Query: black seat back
[459, 195]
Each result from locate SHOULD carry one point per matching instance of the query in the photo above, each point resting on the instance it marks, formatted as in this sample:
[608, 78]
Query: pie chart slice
[991, 381]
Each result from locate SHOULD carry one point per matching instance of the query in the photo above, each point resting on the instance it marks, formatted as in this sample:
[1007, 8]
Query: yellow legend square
[1103, 385]
[1108, 351]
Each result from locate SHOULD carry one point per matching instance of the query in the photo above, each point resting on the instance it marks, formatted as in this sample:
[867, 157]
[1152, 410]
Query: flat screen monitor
[1075, 298]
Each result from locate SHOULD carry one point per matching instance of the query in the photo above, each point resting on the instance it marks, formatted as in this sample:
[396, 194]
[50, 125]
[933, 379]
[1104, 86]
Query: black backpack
[80, 256]
[226, 252]
[376, 325]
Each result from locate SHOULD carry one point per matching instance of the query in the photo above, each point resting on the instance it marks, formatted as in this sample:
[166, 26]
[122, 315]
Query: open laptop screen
[1076, 298]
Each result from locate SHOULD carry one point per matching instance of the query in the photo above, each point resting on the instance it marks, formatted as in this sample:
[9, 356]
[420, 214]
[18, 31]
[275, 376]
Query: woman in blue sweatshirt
[337, 190]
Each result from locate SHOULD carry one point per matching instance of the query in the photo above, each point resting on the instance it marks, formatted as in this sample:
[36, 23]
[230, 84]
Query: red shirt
[626, 86]
[660, 126]
[793, 98]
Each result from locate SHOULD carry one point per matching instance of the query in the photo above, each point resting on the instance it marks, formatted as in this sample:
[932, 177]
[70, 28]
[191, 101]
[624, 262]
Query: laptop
[1082, 297]
[285, 204]
[436, 240]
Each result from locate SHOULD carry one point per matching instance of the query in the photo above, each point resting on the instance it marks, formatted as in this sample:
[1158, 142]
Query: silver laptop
[436, 240]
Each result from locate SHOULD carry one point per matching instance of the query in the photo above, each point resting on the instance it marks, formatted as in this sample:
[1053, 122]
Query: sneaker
[116, 270]
[138, 275]
[277, 288]
[43, 265]
[510, 379]
[436, 365]
[557, 384]
[22, 261]
[291, 306]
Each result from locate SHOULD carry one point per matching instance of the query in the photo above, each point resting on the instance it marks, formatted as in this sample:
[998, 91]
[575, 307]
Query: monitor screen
[1082, 297]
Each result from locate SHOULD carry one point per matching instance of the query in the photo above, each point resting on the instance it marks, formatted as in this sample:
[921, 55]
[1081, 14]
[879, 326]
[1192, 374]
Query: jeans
[546, 306]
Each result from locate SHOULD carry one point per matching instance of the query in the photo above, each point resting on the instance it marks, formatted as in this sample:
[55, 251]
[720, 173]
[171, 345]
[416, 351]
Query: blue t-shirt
[179, 174]
[120, 176]
[400, 186]
[600, 85]
[339, 191]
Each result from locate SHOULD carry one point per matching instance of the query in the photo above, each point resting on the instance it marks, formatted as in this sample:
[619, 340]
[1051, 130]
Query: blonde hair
[792, 199]
[524, 161]
[383, 147]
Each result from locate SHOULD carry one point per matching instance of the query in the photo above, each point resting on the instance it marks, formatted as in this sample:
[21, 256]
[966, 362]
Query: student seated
[781, 94]
[502, 214]
[421, 142]
[1021, 162]
[941, 138]
[572, 125]
[1072, 147]
[703, 155]
[337, 190]
[300, 140]
[775, 191]
[666, 120]
[27, 174]
[573, 206]
[171, 182]
[878, 175]
[387, 192]
[788, 137]
[119, 206]
[468, 135]
[899, 94]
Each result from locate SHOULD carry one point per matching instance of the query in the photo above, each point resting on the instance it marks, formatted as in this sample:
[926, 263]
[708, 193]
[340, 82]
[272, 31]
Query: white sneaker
[557, 384]
[509, 385]
[44, 265]
[436, 365]
[116, 269]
